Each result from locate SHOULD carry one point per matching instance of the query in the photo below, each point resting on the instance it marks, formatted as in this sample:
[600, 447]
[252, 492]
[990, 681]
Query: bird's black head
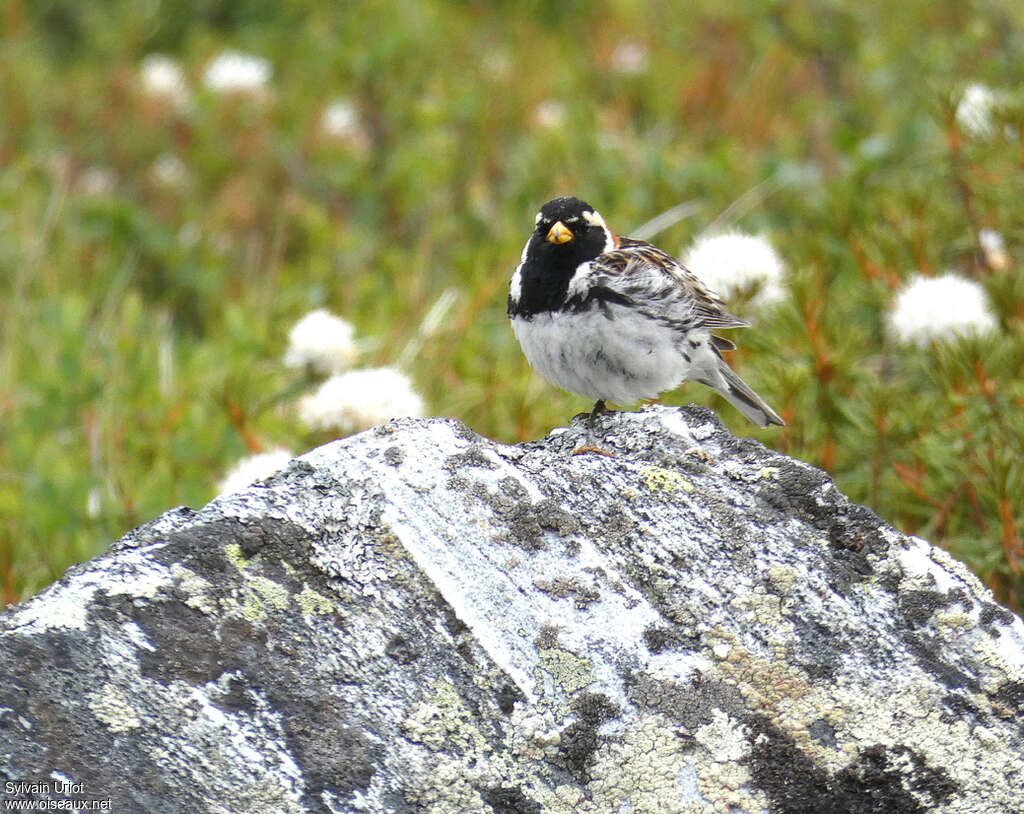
[567, 232]
[573, 231]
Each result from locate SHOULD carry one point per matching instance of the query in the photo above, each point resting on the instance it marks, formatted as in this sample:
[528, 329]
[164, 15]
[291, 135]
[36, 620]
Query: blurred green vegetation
[143, 314]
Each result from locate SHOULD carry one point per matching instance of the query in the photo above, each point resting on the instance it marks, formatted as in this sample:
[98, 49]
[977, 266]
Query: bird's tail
[739, 394]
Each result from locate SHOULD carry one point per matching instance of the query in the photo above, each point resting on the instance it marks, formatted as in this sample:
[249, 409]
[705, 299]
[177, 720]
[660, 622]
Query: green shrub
[155, 252]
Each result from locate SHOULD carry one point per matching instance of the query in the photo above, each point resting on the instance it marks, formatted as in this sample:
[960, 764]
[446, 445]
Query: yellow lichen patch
[766, 609]
[723, 738]
[265, 794]
[725, 785]
[443, 720]
[911, 712]
[720, 764]
[665, 480]
[641, 771]
[533, 735]
[570, 672]
[648, 769]
[989, 653]
[907, 711]
[273, 593]
[252, 608]
[771, 685]
[195, 587]
[955, 622]
[233, 551]
[461, 760]
[259, 593]
[781, 578]
[111, 707]
[447, 788]
[313, 603]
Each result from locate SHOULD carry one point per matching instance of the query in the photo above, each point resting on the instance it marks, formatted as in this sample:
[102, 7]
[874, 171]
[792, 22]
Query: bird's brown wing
[660, 286]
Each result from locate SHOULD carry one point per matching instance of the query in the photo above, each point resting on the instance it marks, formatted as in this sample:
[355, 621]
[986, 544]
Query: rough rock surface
[417, 619]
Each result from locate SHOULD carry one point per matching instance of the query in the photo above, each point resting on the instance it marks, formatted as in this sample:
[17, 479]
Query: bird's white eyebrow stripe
[595, 219]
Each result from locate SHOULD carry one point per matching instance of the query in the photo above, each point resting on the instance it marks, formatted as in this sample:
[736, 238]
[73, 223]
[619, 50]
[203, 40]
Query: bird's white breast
[621, 359]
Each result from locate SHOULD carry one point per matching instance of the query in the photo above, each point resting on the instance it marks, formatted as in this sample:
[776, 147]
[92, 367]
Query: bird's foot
[599, 409]
[590, 415]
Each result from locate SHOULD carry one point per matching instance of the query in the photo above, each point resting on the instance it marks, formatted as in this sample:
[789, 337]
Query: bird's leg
[599, 409]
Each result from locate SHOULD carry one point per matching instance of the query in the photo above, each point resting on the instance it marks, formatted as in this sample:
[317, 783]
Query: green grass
[143, 325]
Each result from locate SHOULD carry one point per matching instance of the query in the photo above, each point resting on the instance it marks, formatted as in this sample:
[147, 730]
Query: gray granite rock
[417, 619]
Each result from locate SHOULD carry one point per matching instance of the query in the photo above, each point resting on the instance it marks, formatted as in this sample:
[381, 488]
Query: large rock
[417, 619]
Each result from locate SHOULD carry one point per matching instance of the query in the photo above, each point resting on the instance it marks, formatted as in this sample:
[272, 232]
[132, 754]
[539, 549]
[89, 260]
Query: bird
[615, 319]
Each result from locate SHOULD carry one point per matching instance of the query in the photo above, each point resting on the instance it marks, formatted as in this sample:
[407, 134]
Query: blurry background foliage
[154, 255]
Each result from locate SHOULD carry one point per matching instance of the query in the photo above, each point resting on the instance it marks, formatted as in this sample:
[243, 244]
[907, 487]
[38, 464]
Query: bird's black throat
[549, 267]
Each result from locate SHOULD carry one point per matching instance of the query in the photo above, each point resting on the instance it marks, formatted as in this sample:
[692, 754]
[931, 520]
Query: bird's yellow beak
[559, 233]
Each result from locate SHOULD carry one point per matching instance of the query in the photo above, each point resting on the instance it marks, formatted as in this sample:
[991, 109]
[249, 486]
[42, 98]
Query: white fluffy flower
[974, 111]
[97, 181]
[235, 72]
[733, 263]
[321, 341]
[359, 399]
[162, 77]
[170, 171]
[549, 114]
[341, 120]
[254, 468]
[930, 308]
[629, 58]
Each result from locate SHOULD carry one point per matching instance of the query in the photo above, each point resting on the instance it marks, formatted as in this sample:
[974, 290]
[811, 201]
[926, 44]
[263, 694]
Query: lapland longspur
[616, 319]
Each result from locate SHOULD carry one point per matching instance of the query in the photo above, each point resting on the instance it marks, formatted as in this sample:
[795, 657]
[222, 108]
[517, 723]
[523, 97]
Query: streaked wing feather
[666, 290]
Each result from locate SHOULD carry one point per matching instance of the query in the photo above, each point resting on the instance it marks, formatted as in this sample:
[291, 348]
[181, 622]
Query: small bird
[616, 319]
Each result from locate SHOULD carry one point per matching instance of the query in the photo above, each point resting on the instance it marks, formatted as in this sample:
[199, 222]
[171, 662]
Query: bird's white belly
[622, 359]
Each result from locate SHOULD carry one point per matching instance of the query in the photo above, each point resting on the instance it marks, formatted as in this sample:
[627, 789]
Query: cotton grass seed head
[359, 399]
[549, 114]
[733, 263]
[322, 342]
[235, 72]
[342, 124]
[97, 182]
[974, 111]
[162, 78]
[256, 467]
[340, 120]
[940, 309]
[629, 58]
[169, 171]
